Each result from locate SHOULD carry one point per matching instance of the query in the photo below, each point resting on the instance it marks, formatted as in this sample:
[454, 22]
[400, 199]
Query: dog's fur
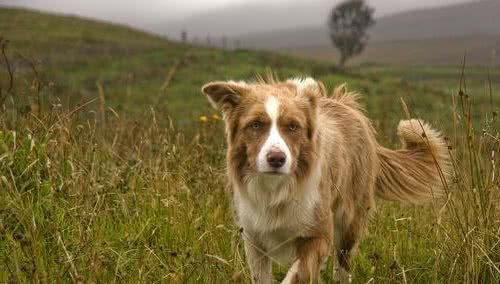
[319, 201]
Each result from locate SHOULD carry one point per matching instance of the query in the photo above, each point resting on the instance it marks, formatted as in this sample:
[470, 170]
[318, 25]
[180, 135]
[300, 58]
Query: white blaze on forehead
[274, 140]
[272, 108]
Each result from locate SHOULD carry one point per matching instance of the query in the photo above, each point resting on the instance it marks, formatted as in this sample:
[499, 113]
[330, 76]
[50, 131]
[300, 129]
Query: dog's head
[270, 127]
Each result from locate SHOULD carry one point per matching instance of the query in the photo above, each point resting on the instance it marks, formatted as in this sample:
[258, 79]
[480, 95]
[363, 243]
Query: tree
[348, 23]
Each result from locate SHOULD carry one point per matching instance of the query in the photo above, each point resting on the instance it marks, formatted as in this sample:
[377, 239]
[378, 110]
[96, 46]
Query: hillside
[476, 18]
[241, 17]
[133, 68]
[24, 26]
[468, 19]
[112, 163]
[441, 33]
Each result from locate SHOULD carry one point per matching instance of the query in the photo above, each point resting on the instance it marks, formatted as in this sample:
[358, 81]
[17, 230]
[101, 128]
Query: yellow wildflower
[203, 118]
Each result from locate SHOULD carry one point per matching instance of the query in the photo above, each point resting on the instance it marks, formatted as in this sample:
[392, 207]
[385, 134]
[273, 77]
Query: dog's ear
[224, 96]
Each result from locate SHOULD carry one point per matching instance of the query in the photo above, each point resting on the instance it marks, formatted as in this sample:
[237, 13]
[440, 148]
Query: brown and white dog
[304, 169]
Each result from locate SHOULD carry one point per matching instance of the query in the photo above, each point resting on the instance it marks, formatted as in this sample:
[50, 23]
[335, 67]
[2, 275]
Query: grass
[112, 162]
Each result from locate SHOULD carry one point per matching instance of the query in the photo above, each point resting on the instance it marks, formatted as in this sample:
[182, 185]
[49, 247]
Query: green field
[112, 162]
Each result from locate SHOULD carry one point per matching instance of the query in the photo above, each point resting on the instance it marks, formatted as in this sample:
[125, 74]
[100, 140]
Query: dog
[305, 169]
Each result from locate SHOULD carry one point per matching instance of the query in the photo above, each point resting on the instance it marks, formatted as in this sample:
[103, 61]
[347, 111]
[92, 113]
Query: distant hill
[461, 20]
[258, 16]
[252, 17]
[468, 19]
[428, 36]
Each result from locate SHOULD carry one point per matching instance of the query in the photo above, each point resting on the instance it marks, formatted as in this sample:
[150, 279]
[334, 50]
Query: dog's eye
[292, 127]
[255, 125]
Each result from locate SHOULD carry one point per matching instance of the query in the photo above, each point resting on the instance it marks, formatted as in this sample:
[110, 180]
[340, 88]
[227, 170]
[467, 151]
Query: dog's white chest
[276, 218]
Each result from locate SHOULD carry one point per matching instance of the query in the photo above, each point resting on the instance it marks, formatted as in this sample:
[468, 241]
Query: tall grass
[471, 226]
[90, 195]
[129, 201]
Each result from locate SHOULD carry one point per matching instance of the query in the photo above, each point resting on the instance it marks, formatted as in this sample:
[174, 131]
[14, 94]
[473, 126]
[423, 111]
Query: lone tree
[348, 23]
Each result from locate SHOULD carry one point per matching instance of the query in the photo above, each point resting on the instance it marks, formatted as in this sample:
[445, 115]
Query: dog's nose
[276, 158]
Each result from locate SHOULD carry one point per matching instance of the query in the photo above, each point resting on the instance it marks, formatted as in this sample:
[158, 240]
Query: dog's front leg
[311, 254]
[259, 263]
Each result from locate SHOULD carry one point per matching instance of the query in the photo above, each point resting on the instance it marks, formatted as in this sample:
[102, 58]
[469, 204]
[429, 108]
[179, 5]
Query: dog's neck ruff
[268, 190]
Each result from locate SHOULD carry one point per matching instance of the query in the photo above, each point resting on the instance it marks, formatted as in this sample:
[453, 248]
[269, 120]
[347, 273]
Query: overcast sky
[145, 14]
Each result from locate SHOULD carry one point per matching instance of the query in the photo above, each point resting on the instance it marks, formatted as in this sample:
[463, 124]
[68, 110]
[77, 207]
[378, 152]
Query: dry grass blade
[102, 103]
[10, 72]
[170, 75]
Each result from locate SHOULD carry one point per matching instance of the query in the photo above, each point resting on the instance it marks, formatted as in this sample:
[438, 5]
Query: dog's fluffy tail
[417, 172]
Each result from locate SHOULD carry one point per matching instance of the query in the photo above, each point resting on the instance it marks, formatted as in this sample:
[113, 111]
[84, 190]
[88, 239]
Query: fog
[166, 16]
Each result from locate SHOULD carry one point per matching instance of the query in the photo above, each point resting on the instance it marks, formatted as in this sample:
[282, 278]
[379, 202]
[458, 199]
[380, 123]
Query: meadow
[112, 161]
